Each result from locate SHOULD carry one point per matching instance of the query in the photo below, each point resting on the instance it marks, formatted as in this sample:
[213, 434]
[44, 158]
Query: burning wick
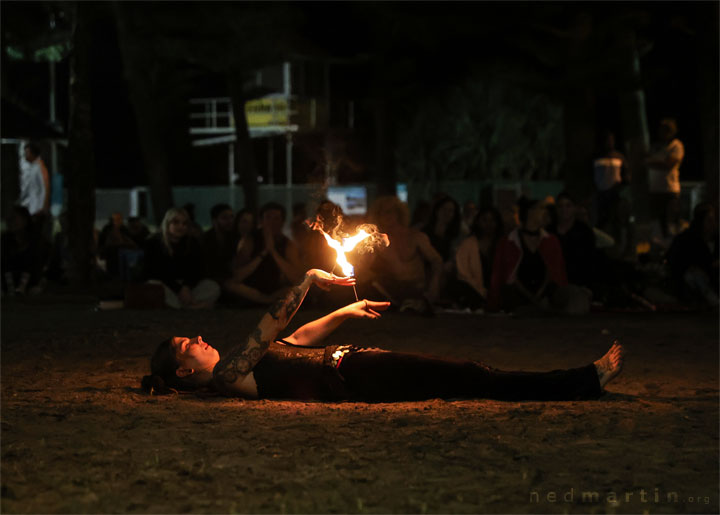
[346, 246]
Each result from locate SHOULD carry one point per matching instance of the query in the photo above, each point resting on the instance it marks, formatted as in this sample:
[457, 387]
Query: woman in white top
[474, 259]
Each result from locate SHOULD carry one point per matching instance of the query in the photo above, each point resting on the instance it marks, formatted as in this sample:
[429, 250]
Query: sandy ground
[79, 436]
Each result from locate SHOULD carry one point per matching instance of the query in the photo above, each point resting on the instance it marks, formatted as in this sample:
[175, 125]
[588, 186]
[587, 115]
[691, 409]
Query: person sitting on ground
[218, 244]
[137, 230]
[23, 256]
[268, 262]
[443, 228]
[474, 259]
[421, 214]
[243, 227]
[510, 218]
[693, 257]
[113, 238]
[663, 231]
[300, 232]
[175, 260]
[194, 230]
[577, 241]
[469, 212]
[398, 271]
[302, 366]
[529, 268]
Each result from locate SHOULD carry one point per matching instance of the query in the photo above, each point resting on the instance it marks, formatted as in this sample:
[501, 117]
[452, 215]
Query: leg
[205, 294]
[171, 300]
[379, 376]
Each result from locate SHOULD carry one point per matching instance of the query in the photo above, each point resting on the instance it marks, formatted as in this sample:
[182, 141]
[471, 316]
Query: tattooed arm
[316, 331]
[231, 370]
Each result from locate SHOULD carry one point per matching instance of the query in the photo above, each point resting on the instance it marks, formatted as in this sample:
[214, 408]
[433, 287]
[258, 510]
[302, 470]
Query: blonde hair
[165, 225]
[390, 203]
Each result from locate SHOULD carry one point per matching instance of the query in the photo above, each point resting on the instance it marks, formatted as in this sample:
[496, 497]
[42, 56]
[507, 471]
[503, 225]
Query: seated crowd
[543, 256]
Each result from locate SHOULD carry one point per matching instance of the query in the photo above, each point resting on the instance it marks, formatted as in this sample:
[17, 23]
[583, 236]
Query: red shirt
[507, 259]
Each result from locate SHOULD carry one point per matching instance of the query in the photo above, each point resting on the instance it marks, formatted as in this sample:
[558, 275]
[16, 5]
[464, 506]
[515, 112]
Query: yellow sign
[265, 112]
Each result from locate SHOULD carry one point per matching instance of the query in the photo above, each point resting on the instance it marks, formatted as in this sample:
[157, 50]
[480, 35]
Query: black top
[295, 372]
[443, 244]
[690, 249]
[219, 252]
[267, 277]
[531, 271]
[185, 267]
[578, 247]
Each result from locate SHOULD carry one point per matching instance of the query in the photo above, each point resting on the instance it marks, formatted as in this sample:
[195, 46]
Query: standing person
[218, 243]
[268, 261]
[34, 182]
[23, 255]
[175, 259]
[302, 366]
[664, 167]
[610, 173]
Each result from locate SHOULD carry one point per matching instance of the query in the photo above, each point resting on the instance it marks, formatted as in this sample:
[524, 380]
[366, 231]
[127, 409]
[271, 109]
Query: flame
[346, 246]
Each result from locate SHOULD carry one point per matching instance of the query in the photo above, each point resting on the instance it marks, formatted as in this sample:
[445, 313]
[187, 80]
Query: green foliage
[484, 128]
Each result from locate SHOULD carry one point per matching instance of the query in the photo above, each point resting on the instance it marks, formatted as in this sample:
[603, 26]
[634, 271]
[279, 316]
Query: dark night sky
[441, 41]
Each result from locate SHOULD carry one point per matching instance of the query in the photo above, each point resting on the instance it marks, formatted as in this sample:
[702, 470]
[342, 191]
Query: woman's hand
[365, 309]
[323, 279]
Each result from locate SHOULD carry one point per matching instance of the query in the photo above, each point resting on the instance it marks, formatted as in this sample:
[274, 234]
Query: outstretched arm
[233, 368]
[316, 331]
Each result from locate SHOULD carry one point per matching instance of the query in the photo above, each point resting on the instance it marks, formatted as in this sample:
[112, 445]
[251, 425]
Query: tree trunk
[244, 156]
[707, 84]
[384, 144]
[635, 129]
[579, 121]
[143, 76]
[81, 172]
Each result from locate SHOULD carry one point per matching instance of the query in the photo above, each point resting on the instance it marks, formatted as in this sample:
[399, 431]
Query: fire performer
[299, 367]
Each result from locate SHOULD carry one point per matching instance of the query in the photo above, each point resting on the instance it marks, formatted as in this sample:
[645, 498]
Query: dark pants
[381, 376]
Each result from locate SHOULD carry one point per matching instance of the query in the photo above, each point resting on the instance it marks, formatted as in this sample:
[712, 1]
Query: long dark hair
[453, 227]
[163, 376]
[499, 230]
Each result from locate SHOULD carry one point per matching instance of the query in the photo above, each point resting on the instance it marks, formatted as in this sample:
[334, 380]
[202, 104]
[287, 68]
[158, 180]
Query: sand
[78, 435]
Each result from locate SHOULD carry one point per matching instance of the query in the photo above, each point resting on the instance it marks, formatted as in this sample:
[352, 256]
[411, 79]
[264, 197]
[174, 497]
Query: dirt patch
[78, 436]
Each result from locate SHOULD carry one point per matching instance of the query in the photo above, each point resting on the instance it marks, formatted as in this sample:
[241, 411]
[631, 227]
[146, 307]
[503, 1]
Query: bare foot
[610, 364]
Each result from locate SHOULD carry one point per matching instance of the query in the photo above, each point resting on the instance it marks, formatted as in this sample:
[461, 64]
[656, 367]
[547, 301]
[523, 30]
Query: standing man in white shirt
[34, 181]
[664, 168]
[35, 187]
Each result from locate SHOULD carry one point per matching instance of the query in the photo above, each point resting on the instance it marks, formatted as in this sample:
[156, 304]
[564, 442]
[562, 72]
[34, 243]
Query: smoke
[330, 219]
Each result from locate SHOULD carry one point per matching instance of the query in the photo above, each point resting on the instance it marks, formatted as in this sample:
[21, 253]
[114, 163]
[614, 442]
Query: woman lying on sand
[298, 367]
